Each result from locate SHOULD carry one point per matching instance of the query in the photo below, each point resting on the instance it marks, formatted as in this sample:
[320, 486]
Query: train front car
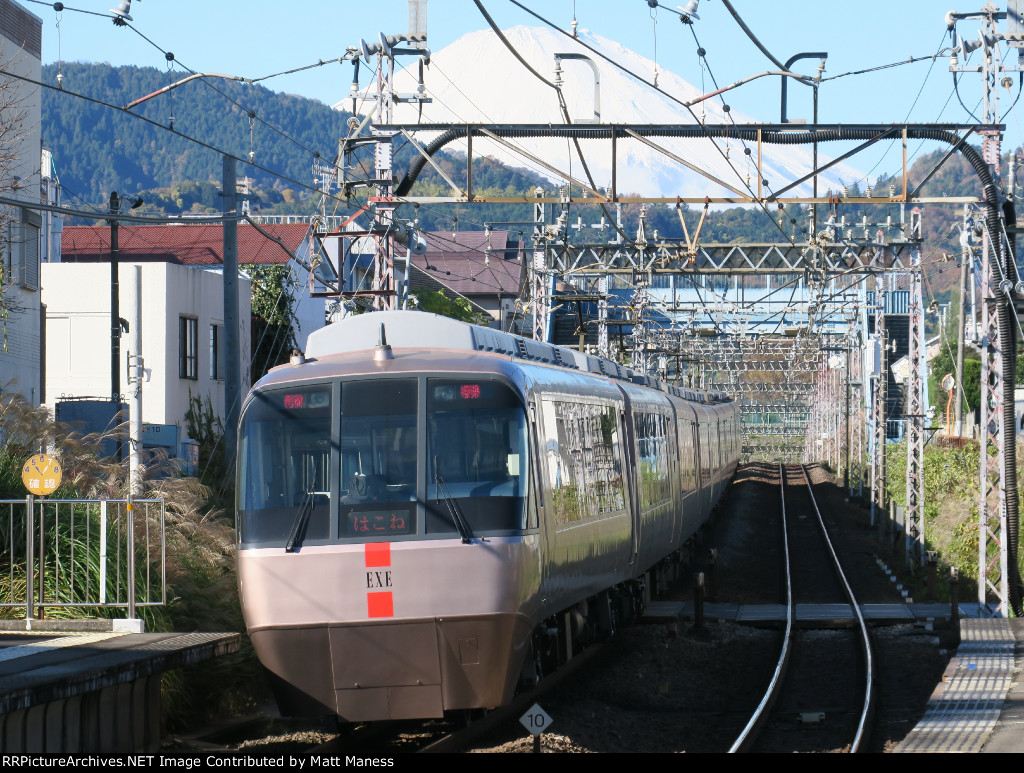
[388, 552]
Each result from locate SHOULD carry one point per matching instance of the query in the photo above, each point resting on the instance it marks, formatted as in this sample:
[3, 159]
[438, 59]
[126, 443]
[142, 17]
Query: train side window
[582, 453]
[653, 456]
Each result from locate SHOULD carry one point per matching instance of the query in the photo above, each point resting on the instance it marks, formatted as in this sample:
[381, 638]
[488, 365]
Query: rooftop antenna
[383, 350]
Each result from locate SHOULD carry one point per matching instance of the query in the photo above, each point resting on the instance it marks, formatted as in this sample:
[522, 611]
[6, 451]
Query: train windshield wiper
[298, 530]
[454, 511]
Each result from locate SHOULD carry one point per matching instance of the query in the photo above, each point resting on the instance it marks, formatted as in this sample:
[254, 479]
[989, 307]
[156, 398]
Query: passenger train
[433, 514]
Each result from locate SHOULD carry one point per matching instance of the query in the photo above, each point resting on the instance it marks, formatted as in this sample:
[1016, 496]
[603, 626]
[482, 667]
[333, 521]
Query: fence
[82, 553]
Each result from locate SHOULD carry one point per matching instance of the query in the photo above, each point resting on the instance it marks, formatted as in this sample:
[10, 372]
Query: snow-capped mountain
[477, 80]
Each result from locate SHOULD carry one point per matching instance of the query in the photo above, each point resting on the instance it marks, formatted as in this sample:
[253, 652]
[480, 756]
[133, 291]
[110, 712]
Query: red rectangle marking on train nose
[380, 604]
[378, 554]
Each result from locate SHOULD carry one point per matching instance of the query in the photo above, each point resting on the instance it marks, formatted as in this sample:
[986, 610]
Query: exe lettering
[378, 579]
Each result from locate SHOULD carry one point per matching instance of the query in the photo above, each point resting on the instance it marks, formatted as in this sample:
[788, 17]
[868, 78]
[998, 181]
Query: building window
[217, 369]
[188, 347]
[21, 258]
[27, 271]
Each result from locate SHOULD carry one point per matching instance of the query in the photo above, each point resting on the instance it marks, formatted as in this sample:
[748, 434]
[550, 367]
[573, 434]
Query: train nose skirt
[387, 671]
[409, 669]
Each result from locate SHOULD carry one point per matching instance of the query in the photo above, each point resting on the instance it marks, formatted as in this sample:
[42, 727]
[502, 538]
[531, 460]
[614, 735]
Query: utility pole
[958, 385]
[115, 318]
[232, 358]
[136, 375]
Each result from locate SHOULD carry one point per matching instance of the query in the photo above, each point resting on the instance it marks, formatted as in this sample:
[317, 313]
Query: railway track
[821, 694]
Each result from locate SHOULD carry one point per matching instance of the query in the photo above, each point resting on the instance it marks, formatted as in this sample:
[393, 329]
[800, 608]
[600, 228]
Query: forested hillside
[98, 149]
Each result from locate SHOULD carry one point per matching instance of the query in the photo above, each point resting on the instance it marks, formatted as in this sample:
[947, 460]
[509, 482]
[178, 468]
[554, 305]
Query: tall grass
[201, 583]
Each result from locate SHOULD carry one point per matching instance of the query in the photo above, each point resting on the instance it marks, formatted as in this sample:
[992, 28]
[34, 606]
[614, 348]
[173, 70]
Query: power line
[643, 80]
[176, 133]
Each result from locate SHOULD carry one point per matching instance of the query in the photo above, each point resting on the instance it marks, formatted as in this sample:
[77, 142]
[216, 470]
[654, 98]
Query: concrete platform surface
[91, 690]
[979, 705]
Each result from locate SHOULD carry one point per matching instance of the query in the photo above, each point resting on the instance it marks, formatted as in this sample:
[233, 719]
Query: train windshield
[284, 488]
[362, 460]
[476, 457]
[378, 458]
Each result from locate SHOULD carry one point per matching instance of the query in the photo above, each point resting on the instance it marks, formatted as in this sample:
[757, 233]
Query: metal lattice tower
[879, 419]
[857, 422]
[915, 422]
[540, 275]
[994, 551]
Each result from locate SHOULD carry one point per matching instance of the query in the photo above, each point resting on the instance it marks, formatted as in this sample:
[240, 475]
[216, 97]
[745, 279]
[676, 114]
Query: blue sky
[258, 38]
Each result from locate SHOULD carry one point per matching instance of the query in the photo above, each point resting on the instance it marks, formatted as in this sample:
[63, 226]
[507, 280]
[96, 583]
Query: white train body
[424, 525]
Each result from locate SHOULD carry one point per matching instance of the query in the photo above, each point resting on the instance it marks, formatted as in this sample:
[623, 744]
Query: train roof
[423, 330]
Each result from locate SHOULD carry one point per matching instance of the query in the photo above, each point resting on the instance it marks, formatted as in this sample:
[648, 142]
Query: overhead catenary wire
[647, 83]
[561, 103]
[751, 35]
[169, 56]
[252, 114]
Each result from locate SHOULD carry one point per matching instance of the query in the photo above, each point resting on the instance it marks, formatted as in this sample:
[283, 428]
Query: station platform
[978, 706]
[86, 687]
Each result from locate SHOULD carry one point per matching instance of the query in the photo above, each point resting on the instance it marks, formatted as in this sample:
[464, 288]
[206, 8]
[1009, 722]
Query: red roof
[472, 262]
[195, 245]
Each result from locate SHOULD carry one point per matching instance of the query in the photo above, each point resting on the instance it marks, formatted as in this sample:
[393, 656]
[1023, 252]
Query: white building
[182, 335]
[201, 246]
[20, 116]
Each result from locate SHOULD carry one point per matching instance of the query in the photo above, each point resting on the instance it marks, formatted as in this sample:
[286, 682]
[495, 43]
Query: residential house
[202, 246]
[484, 267]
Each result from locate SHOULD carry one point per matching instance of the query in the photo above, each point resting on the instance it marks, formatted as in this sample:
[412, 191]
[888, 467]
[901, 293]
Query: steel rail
[746, 738]
[867, 709]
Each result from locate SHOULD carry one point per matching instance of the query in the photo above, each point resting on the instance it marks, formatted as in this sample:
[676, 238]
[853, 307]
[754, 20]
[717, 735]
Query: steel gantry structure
[824, 277]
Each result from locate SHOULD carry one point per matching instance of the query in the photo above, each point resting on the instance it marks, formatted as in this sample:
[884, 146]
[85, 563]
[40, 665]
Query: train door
[695, 441]
[629, 449]
[536, 502]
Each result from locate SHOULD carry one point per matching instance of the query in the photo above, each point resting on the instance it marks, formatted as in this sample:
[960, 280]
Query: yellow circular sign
[41, 474]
